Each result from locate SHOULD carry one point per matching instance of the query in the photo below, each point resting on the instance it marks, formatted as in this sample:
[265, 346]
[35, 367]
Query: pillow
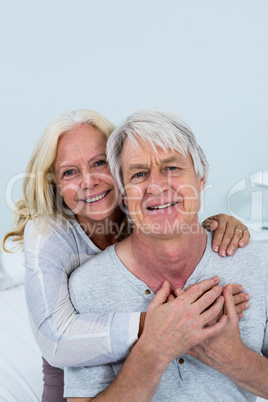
[11, 267]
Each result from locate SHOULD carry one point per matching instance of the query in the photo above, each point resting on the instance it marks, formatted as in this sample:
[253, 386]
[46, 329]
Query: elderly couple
[185, 352]
[194, 343]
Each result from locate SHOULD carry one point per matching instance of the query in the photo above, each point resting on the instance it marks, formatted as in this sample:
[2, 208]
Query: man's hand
[174, 325]
[223, 350]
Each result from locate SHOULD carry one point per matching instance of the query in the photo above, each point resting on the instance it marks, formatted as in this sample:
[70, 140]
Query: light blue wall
[206, 60]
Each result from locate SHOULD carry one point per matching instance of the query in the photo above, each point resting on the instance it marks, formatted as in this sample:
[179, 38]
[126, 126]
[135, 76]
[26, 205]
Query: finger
[231, 236]
[237, 288]
[219, 232]
[207, 299]
[161, 296]
[245, 239]
[178, 292]
[229, 306]
[241, 307]
[170, 298]
[210, 224]
[238, 234]
[210, 314]
[241, 298]
[194, 292]
[214, 329]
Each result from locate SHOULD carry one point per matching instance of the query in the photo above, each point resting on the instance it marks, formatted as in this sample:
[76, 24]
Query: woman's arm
[229, 233]
[65, 337]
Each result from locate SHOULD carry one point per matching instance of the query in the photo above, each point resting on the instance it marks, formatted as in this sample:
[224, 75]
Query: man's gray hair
[160, 129]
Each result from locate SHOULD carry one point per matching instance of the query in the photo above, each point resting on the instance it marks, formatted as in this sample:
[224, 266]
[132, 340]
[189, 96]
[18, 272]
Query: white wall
[206, 60]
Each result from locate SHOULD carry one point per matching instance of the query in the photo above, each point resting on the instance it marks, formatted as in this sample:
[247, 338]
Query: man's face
[162, 190]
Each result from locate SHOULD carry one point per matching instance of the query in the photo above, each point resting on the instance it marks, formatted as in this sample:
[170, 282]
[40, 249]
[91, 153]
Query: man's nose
[157, 183]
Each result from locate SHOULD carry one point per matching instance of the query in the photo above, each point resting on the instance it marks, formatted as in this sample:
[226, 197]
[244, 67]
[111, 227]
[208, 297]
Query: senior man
[184, 353]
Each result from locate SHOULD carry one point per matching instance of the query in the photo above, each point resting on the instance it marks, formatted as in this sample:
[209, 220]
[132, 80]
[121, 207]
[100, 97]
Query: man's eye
[172, 169]
[138, 175]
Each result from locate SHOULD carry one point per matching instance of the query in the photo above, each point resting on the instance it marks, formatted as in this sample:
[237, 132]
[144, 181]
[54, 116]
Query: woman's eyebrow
[72, 163]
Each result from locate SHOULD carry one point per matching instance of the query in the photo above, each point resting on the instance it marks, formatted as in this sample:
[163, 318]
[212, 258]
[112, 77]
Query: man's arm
[227, 354]
[171, 328]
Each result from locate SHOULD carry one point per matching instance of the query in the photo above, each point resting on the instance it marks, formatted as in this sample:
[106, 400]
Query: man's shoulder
[97, 265]
[255, 251]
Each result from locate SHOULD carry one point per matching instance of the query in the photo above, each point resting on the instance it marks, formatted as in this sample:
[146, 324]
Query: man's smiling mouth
[162, 206]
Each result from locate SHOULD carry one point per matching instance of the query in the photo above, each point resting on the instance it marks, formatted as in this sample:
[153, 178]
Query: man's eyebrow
[137, 166]
[170, 159]
[174, 158]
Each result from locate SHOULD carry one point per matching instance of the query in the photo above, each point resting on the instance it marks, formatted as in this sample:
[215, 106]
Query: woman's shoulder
[55, 230]
[41, 226]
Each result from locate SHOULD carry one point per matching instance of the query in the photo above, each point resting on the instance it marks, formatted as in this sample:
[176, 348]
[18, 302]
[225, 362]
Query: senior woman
[70, 212]
[161, 170]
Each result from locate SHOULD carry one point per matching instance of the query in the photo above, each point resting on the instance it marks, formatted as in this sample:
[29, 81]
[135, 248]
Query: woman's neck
[106, 232]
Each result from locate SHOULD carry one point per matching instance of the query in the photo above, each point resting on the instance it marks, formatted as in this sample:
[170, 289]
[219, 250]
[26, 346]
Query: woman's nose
[89, 181]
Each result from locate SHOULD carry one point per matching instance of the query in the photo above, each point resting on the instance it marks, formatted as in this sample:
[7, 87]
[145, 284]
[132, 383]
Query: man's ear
[202, 183]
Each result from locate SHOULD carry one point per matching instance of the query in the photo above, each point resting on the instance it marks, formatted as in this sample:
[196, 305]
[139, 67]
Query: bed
[20, 358]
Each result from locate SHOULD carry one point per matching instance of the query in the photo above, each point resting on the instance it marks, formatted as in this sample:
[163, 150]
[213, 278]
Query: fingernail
[247, 297]
[247, 305]
[223, 253]
[241, 244]
[241, 288]
[230, 251]
[216, 249]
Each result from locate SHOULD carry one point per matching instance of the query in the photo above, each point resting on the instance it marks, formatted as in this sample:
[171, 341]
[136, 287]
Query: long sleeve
[65, 337]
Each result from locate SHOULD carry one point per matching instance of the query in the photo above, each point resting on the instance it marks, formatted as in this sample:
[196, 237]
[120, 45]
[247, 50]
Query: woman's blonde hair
[40, 196]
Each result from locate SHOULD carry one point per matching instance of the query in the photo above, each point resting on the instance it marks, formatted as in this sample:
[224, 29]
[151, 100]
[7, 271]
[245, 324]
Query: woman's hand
[229, 233]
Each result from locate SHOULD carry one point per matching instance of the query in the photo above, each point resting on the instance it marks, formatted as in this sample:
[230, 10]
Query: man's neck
[154, 260]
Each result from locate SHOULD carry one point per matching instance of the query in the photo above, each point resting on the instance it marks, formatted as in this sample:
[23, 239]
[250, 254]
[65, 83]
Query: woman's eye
[100, 163]
[68, 172]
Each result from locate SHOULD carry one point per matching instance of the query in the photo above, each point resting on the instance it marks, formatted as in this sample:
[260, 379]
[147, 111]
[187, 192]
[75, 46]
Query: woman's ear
[59, 189]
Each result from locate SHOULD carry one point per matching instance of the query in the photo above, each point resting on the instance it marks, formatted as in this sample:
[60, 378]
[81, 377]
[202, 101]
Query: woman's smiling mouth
[97, 198]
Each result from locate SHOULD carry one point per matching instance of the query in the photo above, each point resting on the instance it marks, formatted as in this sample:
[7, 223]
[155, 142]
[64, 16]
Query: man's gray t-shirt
[104, 284]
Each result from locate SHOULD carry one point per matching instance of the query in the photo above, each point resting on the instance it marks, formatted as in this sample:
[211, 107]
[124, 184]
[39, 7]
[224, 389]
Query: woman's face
[83, 174]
